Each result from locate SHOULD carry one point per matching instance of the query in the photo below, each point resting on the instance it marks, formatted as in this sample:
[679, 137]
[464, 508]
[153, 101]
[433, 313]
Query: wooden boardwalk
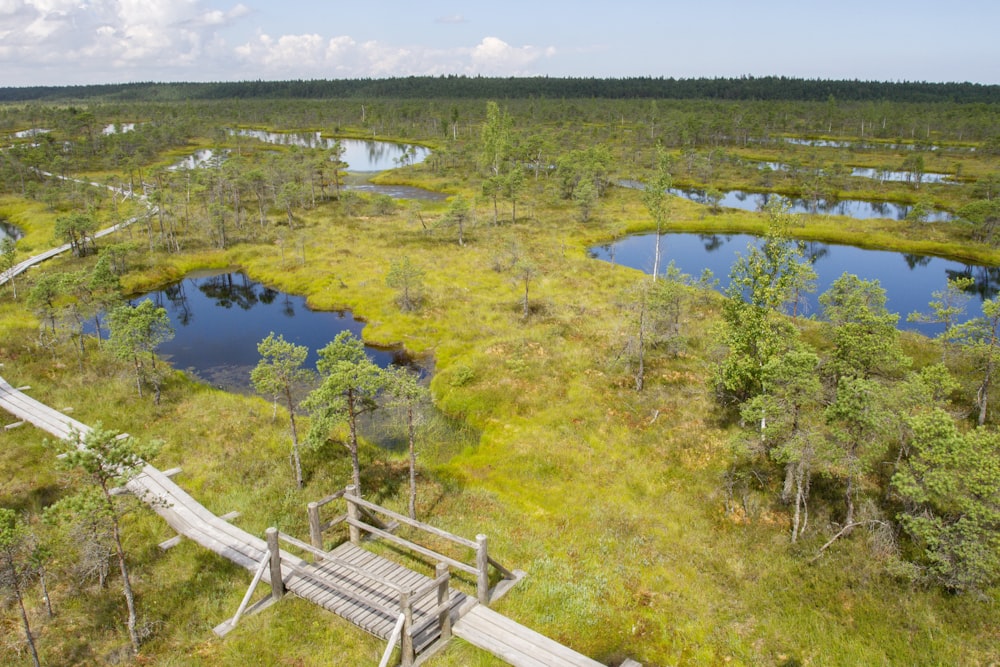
[21, 267]
[353, 583]
[515, 643]
[184, 514]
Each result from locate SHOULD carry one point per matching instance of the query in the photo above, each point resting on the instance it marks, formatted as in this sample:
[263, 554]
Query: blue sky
[58, 42]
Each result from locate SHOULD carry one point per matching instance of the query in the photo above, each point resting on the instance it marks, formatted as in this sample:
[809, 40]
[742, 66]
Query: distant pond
[359, 154]
[881, 175]
[219, 318]
[756, 201]
[909, 280]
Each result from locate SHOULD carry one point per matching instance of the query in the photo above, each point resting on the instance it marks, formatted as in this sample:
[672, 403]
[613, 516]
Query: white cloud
[92, 40]
[84, 41]
[495, 56]
[216, 17]
[310, 56]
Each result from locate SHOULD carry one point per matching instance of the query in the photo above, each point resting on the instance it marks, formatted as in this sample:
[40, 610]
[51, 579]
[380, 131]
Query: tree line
[480, 87]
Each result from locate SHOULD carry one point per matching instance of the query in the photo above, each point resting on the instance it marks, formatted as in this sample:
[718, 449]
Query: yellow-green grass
[611, 500]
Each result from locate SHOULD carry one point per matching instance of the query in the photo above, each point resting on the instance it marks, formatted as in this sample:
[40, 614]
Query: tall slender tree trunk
[27, 626]
[640, 374]
[138, 374]
[657, 254]
[45, 592]
[984, 388]
[413, 461]
[296, 461]
[801, 516]
[133, 633]
[352, 420]
[849, 498]
[527, 282]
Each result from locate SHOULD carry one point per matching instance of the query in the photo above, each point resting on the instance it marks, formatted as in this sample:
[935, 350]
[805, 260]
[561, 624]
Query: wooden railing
[317, 527]
[356, 506]
[408, 598]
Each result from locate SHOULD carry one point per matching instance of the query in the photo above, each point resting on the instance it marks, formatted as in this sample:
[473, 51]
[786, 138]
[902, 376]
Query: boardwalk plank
[495, 632]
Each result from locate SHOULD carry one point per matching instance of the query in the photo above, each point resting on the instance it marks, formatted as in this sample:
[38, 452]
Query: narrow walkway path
[363, 588]
[20, 268]
[184, 514]
[332, 585]
[515, 643]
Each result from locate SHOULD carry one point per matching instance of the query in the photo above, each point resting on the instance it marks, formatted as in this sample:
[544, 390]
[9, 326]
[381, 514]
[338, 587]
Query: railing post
[482, 564]
[406, 639]
[352, 513]
[444, 599]
[315, 534]
[277, 585]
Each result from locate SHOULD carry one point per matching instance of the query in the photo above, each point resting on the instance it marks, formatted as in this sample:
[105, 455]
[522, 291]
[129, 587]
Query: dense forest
[688, 474]
[767, 88]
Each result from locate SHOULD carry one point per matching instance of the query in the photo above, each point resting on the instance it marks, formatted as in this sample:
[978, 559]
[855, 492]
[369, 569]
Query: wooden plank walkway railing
[355, 584]
[379, 596]
[356, 506]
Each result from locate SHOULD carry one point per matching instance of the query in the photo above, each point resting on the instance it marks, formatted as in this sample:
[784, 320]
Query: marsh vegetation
[687, 476]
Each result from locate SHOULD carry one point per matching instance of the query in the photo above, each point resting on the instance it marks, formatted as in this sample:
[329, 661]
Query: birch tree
[656, 198]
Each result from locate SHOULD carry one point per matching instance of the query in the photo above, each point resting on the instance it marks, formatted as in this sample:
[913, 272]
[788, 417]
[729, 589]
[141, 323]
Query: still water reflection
[851, 208]
[909, 280]
[219, 318]
[359, 154]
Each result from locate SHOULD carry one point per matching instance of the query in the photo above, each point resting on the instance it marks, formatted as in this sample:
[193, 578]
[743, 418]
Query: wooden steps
[514, 643]
[369, 602]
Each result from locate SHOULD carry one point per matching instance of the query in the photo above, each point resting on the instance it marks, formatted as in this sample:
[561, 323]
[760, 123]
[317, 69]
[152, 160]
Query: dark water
[218, 320]
[909, 280]
[851, 208]
[9, 231]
